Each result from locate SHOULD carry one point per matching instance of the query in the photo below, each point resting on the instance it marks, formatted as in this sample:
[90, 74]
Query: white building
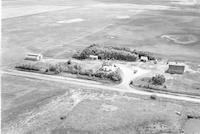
[93, 57]
[144, 58]
[33, 57]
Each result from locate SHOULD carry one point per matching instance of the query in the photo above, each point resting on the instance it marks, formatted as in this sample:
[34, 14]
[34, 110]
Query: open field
[32, 106]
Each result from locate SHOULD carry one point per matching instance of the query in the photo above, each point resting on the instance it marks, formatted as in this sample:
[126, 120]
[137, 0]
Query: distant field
[10, 12]
[163, 2]
[104, 23]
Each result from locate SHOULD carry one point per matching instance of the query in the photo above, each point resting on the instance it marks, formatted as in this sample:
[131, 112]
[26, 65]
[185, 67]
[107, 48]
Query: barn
[176, 68]
[33, 57]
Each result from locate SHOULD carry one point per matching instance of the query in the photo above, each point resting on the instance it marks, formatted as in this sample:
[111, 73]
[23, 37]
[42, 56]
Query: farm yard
[100, 66]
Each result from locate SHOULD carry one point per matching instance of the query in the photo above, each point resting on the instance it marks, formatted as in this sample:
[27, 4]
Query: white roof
[111, 68]
[93, 56]
[176, 64]
[32, 54]
[144, 57]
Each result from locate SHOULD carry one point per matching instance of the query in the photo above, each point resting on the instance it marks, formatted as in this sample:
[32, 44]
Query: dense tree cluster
[114, 76]
[106, 53]
[158, 80]
[109, 52]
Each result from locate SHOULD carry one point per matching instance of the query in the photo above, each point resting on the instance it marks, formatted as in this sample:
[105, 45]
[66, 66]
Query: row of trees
[28, 66]
[68, 67]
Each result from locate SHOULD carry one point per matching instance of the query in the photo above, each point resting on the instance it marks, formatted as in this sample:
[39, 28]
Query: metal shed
[33, 57]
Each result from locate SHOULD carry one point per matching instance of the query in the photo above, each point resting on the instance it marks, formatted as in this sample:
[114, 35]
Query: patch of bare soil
[153, 127]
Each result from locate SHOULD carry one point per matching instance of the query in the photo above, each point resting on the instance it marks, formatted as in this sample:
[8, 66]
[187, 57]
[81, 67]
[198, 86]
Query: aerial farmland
[100, 67]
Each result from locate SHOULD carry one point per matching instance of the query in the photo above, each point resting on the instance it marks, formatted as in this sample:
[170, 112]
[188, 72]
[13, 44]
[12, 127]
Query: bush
[158, 80]
[89, 72]
[69, 62]
[131, 83]
[153, 97]
[52, 68]
[55, 68]
[114, 76]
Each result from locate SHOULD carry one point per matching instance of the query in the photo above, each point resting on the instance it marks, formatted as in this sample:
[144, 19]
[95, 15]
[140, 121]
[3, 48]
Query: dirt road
[128, 75]
[92, 84]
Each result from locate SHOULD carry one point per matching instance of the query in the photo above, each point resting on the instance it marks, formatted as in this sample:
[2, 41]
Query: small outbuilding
[108, 67]
[176, 68]
[143, 58]
[93, 57]
[34, 57]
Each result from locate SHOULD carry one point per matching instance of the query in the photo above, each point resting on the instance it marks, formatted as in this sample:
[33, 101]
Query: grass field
[32, 106]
